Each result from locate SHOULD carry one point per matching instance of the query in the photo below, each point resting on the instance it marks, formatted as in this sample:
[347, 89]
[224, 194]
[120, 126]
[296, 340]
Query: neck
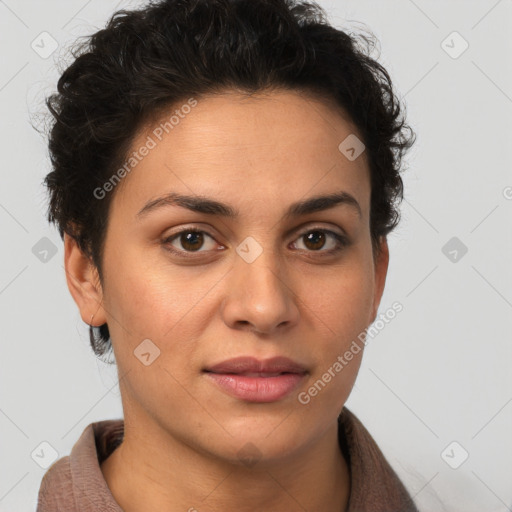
[143, 476]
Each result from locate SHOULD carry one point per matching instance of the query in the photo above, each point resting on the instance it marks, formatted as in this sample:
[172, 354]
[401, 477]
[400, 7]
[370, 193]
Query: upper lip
[254, 365]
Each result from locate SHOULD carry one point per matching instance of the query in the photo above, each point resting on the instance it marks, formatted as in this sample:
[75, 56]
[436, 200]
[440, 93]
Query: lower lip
[257, 389]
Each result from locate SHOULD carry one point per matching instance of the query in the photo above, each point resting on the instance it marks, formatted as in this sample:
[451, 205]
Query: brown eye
[316, 239]
[190, 240]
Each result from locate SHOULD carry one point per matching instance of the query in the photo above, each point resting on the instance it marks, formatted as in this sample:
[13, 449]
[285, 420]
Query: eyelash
[342, 242]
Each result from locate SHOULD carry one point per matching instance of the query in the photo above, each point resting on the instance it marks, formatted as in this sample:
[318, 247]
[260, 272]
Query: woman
[225, 174]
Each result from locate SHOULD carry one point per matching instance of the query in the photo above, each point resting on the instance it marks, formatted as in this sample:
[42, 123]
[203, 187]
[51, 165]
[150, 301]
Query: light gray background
[438, 373]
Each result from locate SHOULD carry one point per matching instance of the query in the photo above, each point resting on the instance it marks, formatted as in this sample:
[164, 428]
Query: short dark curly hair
[144, 61]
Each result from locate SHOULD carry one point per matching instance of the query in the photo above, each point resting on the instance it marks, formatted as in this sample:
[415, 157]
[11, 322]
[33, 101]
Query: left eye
[193, 240]
[316, 238]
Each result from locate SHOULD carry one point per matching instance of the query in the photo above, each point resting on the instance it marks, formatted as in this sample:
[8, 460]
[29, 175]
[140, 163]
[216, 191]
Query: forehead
[267, 147]
[232, 119]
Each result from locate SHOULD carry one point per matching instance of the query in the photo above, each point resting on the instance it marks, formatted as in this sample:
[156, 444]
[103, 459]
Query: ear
[83, 282]
[381, 269]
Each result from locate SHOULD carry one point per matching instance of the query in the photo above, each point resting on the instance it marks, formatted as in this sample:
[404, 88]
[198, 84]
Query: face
[205, 287]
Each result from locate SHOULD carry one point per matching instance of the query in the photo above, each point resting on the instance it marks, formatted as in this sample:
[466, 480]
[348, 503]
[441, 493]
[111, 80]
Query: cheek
[146, 296]
[157, 301]
[150, 305]
[340, 312]
[341, 301]
[339, 309]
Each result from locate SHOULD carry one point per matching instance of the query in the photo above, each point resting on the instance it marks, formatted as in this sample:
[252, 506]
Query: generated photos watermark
[304, 397]
[151, 142]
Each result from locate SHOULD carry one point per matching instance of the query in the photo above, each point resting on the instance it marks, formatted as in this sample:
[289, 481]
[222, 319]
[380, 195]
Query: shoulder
[75, 482]
[56, 490]
[375, 485]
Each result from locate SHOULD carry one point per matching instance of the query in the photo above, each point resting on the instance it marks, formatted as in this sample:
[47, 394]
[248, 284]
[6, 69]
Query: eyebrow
[209, 206]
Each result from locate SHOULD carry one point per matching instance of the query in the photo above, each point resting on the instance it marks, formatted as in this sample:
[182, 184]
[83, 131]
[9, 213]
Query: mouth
[250, 365]
[253, 380]
[255, 374]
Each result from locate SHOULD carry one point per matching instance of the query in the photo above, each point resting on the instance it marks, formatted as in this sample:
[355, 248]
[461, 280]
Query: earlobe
[381, 270]
[83, 282]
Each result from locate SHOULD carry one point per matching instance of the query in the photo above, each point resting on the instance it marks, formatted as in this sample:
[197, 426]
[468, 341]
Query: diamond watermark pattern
[44, 45]
[44, 250]
[44, 455]
[249, 249]
[147, 352]
[454, 45]
[454, 249]
[249, 454]
[352, 147]
[454, 455]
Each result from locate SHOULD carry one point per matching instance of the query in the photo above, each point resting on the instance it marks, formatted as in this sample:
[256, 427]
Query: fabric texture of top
[75, 482]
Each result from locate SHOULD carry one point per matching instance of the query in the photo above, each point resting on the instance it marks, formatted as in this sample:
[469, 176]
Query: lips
[252, 367]
[253, 380]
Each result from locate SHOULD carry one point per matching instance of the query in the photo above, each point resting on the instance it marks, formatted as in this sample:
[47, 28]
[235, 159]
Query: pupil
[315, 235]
[192, 244]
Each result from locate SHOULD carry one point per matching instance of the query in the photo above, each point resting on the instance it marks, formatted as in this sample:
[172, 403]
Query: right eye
[190, 239]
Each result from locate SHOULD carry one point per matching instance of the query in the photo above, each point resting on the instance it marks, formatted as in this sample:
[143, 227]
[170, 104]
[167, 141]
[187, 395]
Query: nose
[259, 296]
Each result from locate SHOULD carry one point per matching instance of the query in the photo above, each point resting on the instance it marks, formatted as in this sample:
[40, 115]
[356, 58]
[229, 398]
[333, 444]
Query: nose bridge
[260, 266]
[259, 293]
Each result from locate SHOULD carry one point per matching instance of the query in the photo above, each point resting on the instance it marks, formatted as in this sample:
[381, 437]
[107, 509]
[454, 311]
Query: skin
[182, 433]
